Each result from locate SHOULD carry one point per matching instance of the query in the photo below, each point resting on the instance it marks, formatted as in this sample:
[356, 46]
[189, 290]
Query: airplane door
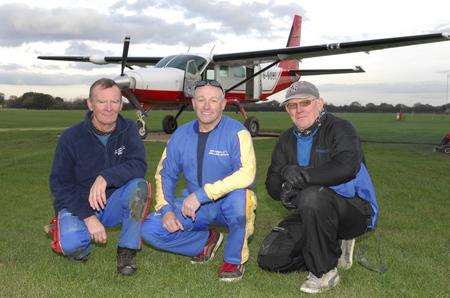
[191, 75]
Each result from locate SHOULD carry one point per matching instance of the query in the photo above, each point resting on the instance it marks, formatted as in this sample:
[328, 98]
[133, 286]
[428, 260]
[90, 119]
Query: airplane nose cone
[123, 81]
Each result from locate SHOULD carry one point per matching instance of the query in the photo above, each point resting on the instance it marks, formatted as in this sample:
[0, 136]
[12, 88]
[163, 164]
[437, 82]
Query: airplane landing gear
[252, 124]
[140, 123]
[169, 124]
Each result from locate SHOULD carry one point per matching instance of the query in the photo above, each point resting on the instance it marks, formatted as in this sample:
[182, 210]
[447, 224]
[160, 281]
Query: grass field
[412, 185]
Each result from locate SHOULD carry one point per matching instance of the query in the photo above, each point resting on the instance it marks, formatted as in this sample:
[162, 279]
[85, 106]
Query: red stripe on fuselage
[175, 98]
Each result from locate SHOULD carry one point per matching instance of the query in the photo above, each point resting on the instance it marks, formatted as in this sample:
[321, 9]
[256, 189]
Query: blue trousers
[235, 211]
[124, 207]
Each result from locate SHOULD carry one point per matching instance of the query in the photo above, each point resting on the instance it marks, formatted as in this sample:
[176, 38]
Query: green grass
[412, 185]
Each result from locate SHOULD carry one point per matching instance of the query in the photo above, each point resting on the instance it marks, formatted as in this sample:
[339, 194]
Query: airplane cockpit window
[162, 63]
[180, 62]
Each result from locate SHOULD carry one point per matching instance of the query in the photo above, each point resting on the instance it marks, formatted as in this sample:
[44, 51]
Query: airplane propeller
[124, 81]
[126, 45]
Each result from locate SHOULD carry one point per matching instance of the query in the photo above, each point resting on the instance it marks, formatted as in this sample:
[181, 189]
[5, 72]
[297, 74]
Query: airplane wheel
[169, 124]
[142, 130]
[252, 124]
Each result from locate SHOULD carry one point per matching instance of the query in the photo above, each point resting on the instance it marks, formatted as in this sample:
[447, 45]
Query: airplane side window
[238, 71]
[223, 71]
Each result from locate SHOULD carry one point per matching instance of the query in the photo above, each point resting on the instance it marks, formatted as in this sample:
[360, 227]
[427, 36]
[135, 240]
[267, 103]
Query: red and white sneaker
[207, 254]
[231, 272]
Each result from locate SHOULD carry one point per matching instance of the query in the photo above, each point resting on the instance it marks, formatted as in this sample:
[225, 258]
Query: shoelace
[227, 267]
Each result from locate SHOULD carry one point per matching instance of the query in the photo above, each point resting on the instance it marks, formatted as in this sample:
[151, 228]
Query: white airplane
[245, 76]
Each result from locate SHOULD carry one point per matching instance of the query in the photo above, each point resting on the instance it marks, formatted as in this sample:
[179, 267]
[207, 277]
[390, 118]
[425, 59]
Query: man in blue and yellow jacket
[216, 157]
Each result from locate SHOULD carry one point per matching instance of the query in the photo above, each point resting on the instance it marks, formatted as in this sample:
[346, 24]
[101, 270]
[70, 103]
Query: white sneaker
[346, 259]
[314, 284]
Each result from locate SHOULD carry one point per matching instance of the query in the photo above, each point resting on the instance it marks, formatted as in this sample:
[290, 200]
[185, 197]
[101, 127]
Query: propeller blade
[126, 45]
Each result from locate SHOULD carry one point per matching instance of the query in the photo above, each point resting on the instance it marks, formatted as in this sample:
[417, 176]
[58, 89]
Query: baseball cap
[300, 90]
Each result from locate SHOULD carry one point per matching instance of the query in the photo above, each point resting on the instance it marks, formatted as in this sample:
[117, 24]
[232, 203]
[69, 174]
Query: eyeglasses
[203, 83]
[302, 104]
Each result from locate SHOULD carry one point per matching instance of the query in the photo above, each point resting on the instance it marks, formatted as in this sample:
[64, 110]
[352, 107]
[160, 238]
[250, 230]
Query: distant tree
[2, 98]
[386, 107]
[371, 107]
[34, 100]
[355, 107]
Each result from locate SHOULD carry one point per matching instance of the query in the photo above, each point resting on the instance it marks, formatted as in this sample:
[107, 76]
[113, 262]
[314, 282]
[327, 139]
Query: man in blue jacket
[215, 154]
[317, 170]
[97, 181]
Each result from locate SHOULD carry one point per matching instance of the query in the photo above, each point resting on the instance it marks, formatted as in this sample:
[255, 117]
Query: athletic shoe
[214, 240]
[126, 261]
[231, 272]
[346, 259]
[314, 284]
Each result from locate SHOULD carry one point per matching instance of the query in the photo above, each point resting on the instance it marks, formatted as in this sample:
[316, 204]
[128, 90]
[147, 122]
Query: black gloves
[295, 175]
[288, 195]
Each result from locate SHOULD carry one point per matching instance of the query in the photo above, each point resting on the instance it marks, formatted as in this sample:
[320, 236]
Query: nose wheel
[141, 125]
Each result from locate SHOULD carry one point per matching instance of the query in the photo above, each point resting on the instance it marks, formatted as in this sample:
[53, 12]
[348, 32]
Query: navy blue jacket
[80, 157]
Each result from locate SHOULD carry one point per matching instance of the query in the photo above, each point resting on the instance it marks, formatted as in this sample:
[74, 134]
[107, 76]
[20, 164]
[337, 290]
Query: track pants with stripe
[234, 211]
[124, 207]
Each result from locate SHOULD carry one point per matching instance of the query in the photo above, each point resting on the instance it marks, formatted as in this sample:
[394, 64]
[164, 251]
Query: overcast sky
[161, 27]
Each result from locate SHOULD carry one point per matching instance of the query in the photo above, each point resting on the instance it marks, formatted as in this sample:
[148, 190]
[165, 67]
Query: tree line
[42, 101]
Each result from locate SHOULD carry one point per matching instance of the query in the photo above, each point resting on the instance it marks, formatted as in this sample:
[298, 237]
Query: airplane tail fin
[293, 41]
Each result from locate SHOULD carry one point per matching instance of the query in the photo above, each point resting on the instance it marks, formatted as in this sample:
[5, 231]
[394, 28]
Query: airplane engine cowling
[97, 59]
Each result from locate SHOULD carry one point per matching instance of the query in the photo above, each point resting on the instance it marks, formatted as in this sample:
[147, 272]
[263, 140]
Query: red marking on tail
[293, 41]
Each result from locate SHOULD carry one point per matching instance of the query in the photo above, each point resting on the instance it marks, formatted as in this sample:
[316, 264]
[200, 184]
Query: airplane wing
[302, 52]
[139, 61]
[314, 72]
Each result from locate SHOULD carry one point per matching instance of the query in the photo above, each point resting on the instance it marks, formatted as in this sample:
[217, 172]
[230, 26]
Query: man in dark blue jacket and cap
[318, 170]
[97, 181]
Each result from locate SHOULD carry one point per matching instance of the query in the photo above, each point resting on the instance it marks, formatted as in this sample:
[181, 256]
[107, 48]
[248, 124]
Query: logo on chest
[119, 151]
[218, 152]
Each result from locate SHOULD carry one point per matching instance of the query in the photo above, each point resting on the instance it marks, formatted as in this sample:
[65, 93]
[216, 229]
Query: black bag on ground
[280, 251]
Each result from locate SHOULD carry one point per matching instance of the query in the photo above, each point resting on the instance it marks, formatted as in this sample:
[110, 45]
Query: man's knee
[137, 197]
[73, 243]
[313, 198]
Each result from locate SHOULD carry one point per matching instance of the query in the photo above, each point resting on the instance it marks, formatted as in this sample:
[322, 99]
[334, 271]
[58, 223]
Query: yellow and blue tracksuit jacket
[227, 172]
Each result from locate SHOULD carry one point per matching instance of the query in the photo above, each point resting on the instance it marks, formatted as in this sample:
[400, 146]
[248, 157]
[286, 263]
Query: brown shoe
[126, 261]
[231, 272]
[214, 240]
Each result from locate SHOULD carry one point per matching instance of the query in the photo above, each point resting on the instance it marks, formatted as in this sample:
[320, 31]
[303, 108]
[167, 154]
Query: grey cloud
[82, 48]
[21, 24]
[11, 66]
[239, 19]
[443, 27]
[397, 88]
[30, 78]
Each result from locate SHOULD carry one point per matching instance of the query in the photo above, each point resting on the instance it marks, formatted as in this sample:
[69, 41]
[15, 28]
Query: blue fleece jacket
[80, 157]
